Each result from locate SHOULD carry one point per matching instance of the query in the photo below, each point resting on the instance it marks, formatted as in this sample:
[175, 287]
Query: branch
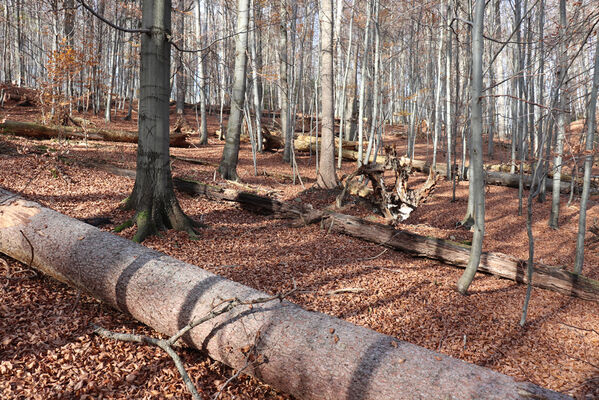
[167, 344]
[101, 18]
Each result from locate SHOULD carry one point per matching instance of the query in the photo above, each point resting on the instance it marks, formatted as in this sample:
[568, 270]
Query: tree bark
[477, 182]
[309, 355]
[228, 163]
[327, 178]
[201, 75]
[283, 78]
[153, 197]
[588, 166]
[561, 120]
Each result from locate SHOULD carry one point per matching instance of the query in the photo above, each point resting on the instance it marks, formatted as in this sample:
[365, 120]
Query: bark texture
[326, 171]
[228, 163]
[310, 355]
[153, 197]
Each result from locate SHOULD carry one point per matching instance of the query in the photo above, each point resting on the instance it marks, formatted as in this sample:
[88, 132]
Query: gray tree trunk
[561, 120]
[362, 105]
[153, 197]
[284, 88]
[588, 166]
[477, 183]
[228, 162]
[326, 171]
[179, 67]
[256, 78]
[201, 75]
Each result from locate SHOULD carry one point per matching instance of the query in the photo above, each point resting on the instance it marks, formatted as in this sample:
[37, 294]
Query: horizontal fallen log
[452, 253]
[449, 252]
[307, 354]
[491, 177]
[39, 131]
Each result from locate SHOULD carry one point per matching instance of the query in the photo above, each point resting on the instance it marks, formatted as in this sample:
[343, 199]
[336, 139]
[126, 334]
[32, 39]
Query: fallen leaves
[47, 350]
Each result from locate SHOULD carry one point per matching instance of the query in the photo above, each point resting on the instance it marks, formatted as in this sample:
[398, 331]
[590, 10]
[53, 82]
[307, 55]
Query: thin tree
[477, 184]
[228, 162]
[588, 165]
[326, 172]
[561, 120]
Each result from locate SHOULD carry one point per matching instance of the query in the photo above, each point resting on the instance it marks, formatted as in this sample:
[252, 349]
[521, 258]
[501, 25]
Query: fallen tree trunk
[307, 354]
[453, 253]
[38, 131]
[447, 251]
[491, 177]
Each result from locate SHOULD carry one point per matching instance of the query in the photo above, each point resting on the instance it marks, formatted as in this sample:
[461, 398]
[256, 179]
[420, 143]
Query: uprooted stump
[396, 203]
[307, 354]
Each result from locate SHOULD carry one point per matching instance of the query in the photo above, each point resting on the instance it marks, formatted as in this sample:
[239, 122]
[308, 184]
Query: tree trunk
[228, 163]
[309, 355]
[283, 78]
[37, 131]
[588, 166]
[364, 62]
[477, 182]
[179, 67]
[153, 197]
[201, 75]
[326, 172]
[561, 120]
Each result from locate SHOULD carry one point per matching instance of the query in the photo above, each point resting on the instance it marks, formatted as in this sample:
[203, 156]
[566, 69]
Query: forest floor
[48, 351]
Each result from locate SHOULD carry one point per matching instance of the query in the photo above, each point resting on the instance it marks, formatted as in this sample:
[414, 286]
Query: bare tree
[477, 183]
[588, 165]
[228, 162]
[153, 197]
[326, 172]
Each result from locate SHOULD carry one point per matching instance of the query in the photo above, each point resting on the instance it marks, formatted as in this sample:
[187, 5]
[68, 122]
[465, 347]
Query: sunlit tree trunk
[179, 67]
[561, 121]
[477, 184]
[201, 75]
[362, 103]
[228, 162]
[588, 166]
[326, 172]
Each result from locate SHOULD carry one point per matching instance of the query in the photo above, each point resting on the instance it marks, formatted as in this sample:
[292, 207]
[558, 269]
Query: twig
[163, 344]
[222, 307]
[383, 268]
[580, 329]
[345, 290]
[374, 257]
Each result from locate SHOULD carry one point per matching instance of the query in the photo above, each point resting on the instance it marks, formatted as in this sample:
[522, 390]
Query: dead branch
[167, 344]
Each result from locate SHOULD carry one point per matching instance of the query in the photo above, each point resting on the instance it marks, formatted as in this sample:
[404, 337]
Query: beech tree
[326, 172]
[228, 163]
[477, 183]
[153, 197]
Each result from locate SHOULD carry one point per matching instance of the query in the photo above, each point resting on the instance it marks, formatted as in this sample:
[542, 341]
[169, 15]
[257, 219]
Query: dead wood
[306, 354]
[446, 251]
[39, 131]
[395, 203]
[456, 254]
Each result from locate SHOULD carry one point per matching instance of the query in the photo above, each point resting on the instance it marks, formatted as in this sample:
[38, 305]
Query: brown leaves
[47, 350]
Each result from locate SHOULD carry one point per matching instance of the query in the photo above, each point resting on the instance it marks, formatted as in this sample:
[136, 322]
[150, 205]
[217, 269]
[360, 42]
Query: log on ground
[446, 251]
[307, 354]
[449, 252]
[491, 177]
[39, 131]
[452, 253]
